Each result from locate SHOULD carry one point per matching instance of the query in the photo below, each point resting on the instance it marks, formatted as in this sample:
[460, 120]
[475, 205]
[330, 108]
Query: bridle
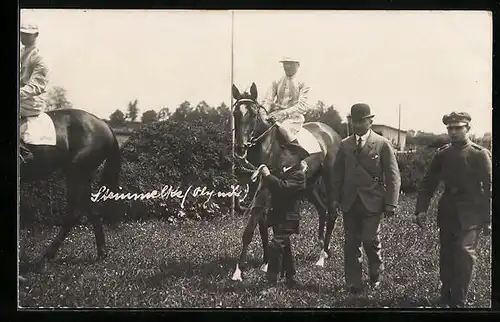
[254, 139]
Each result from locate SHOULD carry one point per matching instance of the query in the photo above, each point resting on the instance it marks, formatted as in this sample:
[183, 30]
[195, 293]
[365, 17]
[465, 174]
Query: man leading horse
[260, 133]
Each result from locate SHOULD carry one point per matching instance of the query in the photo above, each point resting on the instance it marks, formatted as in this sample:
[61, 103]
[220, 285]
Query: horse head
[248, 124]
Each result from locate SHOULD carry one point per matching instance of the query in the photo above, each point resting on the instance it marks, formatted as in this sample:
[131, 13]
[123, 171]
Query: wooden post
[231, 106]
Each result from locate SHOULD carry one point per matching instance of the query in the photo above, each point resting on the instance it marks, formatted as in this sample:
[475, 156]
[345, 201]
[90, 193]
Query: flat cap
[289, 59]
[456, 119]
[298, 150]
[29, 28]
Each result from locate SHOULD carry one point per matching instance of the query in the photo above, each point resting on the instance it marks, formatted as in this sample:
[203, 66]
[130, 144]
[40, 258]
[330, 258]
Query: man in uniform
[287, 102]
[366, 186]
[464, 208]
[33, 82]
[284, 187]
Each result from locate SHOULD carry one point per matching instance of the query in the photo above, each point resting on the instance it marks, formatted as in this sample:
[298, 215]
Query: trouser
[457, 258]
[289, 128]
[361, 229]
[281, 259]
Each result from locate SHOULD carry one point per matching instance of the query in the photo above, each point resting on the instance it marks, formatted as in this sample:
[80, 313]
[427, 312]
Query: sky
[429, 62]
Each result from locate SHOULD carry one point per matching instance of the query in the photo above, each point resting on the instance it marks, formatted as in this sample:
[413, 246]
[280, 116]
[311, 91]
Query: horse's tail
[112, 166]
[112, 211]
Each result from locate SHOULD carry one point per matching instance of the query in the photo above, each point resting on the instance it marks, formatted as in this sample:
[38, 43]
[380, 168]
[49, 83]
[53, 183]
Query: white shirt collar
[364, 136]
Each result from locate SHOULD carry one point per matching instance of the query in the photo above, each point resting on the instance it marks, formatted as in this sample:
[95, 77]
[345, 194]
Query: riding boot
[26, 154]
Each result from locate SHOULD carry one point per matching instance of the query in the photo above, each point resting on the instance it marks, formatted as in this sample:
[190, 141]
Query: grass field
[160, 265]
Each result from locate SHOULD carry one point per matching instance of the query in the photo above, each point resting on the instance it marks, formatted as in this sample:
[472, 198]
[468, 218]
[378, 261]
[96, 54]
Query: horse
[83, 143]
[255, 143]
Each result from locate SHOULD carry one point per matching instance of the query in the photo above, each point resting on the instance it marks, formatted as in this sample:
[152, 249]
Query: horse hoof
[40, 266]
[321, 260]
[21, 279]
[237, 274]
[263, 267]
[103, 254]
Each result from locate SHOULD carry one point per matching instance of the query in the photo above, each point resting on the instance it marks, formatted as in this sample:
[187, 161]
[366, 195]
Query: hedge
[177, 154]
[160, 154]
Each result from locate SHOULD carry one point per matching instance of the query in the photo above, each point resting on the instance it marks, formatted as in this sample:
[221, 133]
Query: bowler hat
[456, 119]
[360, 111]
[29, 29]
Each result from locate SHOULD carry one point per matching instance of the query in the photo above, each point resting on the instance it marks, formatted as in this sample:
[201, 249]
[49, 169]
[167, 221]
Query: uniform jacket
[285, 188]
[466, 171]
[33, 82]
[295, 99]
[373, 174]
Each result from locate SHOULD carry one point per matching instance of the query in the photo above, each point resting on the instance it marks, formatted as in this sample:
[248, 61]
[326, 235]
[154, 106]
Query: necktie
[286, 94]
[359, 144]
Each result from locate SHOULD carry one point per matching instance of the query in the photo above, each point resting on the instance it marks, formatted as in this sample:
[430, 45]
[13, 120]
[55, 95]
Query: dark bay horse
[257, 143]
[83, 142]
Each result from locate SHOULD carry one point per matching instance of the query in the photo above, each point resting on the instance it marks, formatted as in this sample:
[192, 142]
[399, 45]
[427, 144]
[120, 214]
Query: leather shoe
[354, 289]
[291, 282]
[444, 298]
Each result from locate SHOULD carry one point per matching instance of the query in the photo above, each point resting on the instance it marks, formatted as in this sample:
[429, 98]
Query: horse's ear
[236, 92]
[253, 91]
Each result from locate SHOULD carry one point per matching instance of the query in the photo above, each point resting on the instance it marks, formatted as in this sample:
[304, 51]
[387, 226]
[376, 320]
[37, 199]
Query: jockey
[286, 102]
[32, 83]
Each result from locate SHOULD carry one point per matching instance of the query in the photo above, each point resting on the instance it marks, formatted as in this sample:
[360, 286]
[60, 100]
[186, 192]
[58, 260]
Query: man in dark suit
[285, 187]
[464, 208]
[366, 186]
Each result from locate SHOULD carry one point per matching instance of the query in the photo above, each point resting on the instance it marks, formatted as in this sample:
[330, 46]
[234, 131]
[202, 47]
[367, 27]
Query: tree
[133, 111]
[57, 99]
[164, 114]
[330, 116]
[182, 112]
[149, 116]
[203, 107]
[117, 118]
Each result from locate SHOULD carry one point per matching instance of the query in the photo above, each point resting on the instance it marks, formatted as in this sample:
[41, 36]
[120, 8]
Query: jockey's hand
[271, 120]
[265, 171]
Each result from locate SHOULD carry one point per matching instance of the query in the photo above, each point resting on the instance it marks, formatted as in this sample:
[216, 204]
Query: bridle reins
[253, 139]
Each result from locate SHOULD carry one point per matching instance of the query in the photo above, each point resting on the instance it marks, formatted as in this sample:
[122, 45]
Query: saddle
[38, 130]
[303, 139]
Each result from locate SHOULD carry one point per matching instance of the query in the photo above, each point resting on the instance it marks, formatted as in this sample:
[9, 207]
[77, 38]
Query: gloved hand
[271, 120]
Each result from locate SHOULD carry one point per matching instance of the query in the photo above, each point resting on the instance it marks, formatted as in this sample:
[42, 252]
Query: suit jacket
[373, 174]
[466, 171]
[285, 190]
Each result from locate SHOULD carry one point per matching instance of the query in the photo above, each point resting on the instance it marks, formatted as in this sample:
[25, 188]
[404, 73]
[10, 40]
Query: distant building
[125, 131]
[391, 134]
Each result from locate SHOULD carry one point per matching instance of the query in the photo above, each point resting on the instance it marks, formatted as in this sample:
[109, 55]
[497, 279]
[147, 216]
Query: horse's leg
[256, 211]
[95, 219]
[314, 197]
[330, 218]
[69, 220]
[264, 235]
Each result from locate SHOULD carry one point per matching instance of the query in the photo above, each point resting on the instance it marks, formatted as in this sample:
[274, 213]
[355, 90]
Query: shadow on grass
[221, 266]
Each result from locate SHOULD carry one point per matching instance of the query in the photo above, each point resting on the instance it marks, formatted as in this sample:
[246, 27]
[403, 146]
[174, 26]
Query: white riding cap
[29, 29]
[289, 59]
